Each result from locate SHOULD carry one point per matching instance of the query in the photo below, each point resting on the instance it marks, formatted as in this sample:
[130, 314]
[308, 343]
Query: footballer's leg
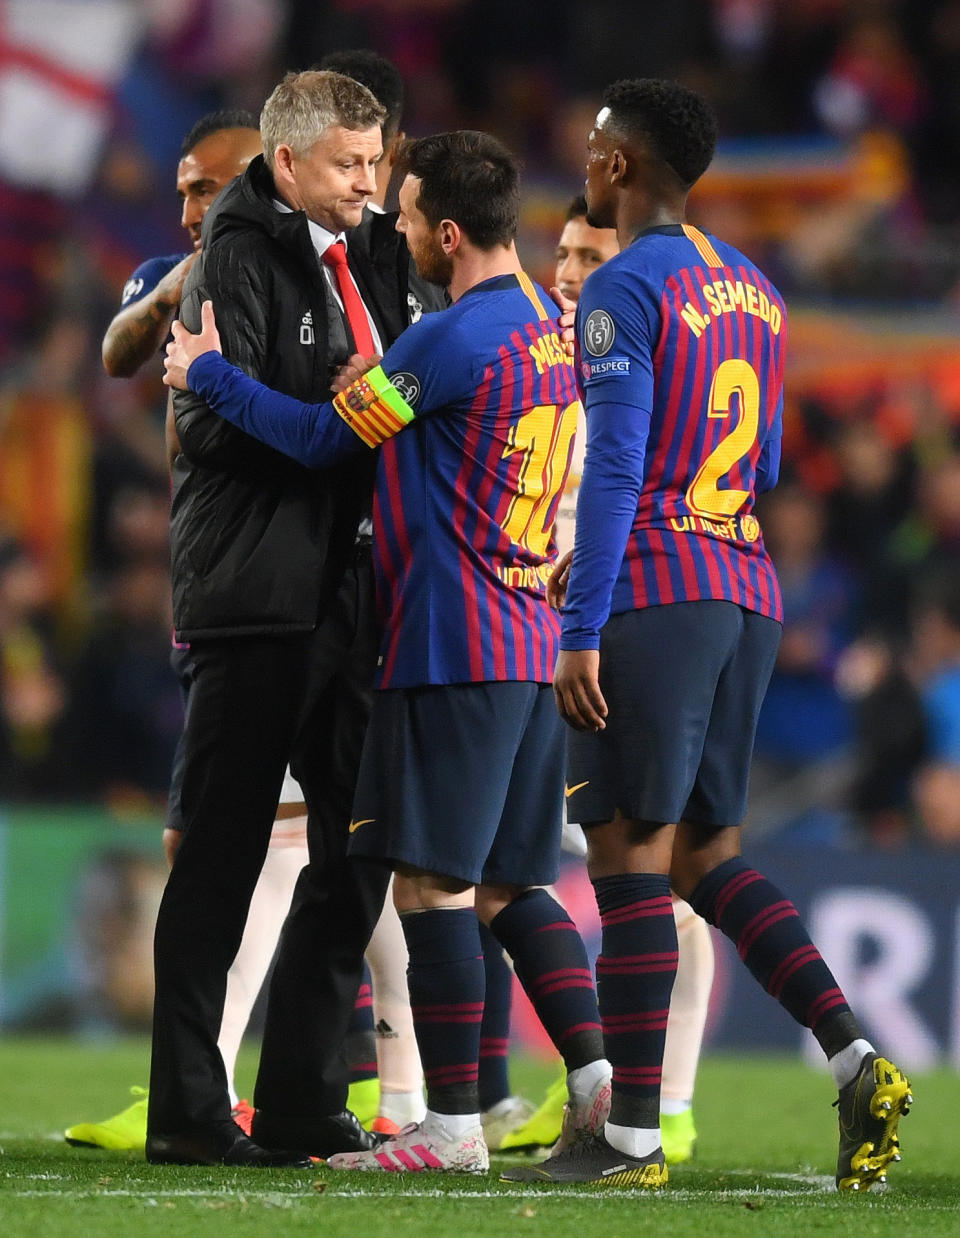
[773, 942]
[689, 1004]
[286, 856]
[635, 972]
[433, 780]
[398, 1059]
[765, 925]
[446, 982]
[502, 1113]
[548, 953]
[550, 961]
[360, 1051]
[629, 784]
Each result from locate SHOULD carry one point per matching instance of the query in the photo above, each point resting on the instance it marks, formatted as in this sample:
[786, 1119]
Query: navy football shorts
[683, 684]
[465, 780]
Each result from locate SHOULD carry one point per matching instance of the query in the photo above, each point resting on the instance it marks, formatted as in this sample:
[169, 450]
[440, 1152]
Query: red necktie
[335, 256]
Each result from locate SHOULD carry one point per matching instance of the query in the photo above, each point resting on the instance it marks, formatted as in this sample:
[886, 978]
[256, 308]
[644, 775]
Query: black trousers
[257, 703]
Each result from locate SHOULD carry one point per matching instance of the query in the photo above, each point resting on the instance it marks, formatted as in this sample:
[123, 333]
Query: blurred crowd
[841, 124]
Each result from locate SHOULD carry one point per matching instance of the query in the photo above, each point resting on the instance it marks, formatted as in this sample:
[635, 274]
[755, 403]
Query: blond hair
[303, 105]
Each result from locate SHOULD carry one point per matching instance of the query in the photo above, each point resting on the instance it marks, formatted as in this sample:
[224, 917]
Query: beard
[433, 264]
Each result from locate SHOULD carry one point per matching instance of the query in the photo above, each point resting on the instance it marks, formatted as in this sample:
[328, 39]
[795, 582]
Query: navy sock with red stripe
[360, 1042]
[551, 963]
[495, 1028]
[446, 981]
[771, 939]
[635, 973]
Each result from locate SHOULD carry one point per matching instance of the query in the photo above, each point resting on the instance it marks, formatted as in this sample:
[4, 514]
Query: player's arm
[138, 329]
[618, 400]
[606, 507]
[365, 414]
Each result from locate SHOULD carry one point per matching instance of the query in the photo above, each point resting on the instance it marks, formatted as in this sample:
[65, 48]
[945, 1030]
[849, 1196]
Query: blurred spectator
[937, 797]
[873, 81]
[804, 718]
[925, 544]
[33, 694]
[45, 456]
[111, 942]
[889, 739]
[936, 637]
[133, 712]
[869, 500]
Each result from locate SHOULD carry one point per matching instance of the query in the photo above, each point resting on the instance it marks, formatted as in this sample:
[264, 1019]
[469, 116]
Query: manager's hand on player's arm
[185, 347]
[576, 687]
[355, 368]
[559, 578]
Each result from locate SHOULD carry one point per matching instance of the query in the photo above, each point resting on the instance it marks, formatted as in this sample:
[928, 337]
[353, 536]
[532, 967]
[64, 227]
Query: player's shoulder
[544, 303]
[617, 296]
[622, 279]
[428, 341]
[146, 277]
[432, 359]
[432, 327]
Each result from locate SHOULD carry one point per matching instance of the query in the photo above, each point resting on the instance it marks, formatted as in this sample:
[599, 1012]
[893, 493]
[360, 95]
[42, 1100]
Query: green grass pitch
[764, 1166]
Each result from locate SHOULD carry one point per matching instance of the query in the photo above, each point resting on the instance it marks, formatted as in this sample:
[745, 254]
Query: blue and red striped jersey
[466, 496]
[146, 277]
[476, 410]
[680, 360]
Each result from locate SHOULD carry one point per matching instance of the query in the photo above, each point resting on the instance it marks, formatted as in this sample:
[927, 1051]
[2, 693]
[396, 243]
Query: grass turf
[764, 1166]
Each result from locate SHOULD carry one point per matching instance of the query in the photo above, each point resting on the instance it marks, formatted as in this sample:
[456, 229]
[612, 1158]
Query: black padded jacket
[259, 543]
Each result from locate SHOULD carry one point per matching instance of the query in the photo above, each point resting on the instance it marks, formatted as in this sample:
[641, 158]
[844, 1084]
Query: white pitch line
[812, 1185]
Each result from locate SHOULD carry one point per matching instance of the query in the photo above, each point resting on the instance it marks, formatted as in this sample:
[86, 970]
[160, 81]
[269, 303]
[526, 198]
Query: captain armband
[373, 408]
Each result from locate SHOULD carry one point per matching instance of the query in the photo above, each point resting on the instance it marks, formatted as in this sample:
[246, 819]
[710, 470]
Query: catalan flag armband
[373, 408]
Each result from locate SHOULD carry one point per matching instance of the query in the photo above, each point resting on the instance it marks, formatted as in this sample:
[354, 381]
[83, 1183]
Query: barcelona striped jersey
[680, 353]
[466, 496]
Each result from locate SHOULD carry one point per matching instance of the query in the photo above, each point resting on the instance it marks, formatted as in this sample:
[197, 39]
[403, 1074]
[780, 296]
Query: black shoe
[871, 1107]
[592, 1159]
[320, 1137]
[223, 1144]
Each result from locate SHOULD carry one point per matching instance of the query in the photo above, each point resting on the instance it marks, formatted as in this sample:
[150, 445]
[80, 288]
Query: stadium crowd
[842, 124]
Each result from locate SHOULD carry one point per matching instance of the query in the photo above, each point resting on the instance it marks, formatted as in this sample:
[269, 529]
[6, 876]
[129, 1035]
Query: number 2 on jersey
[544, 438]
[704, 496]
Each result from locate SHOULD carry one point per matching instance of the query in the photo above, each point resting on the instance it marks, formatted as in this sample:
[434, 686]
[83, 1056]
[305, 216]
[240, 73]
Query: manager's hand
[353, 369]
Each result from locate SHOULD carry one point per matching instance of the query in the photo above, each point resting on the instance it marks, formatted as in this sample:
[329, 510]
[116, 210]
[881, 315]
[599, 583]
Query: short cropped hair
[214, 122]
[577, 208]
[379, 75]
[679, 125]
[305, 104]
[468, 177]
